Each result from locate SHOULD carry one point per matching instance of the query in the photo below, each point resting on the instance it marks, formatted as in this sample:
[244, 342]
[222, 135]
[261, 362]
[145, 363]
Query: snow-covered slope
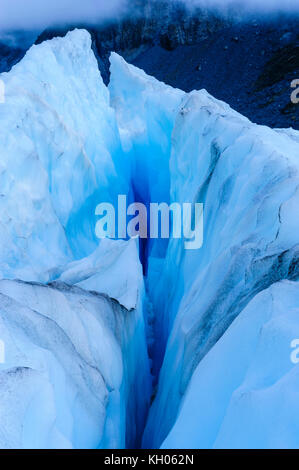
[106, 271]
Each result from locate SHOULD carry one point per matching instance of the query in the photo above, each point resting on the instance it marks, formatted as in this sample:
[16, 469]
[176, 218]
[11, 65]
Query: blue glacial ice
[60, 151]
[94, 330]
[76, 371]
[244, 393]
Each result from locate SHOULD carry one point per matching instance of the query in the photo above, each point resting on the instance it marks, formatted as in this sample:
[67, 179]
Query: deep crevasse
[71, 150]
[247, 177]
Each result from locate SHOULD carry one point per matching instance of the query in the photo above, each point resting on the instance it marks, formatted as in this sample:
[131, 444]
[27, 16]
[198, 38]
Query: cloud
[39, 14]
[248, 5]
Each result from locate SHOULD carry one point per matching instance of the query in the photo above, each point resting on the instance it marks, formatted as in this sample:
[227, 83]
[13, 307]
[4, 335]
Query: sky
[270, 5]
[38, 14]
[267, 6]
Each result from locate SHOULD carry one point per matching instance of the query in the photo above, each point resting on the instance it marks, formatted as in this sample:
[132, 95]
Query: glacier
[130, 343]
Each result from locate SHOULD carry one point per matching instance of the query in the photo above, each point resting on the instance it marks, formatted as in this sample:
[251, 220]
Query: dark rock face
[249, 64]
[9, 56]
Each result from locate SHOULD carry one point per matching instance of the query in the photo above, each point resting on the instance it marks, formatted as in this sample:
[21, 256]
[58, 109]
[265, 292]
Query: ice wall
[244, 393]
[76, 369]
[146, 110]
[60, 157]
[247, 178]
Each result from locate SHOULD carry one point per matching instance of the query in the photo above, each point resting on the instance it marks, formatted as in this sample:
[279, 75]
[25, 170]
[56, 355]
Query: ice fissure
[130, 343]
[196, 296]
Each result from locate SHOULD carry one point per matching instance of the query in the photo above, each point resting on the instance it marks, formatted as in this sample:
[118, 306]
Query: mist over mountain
[39, 15]
[243, 52]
